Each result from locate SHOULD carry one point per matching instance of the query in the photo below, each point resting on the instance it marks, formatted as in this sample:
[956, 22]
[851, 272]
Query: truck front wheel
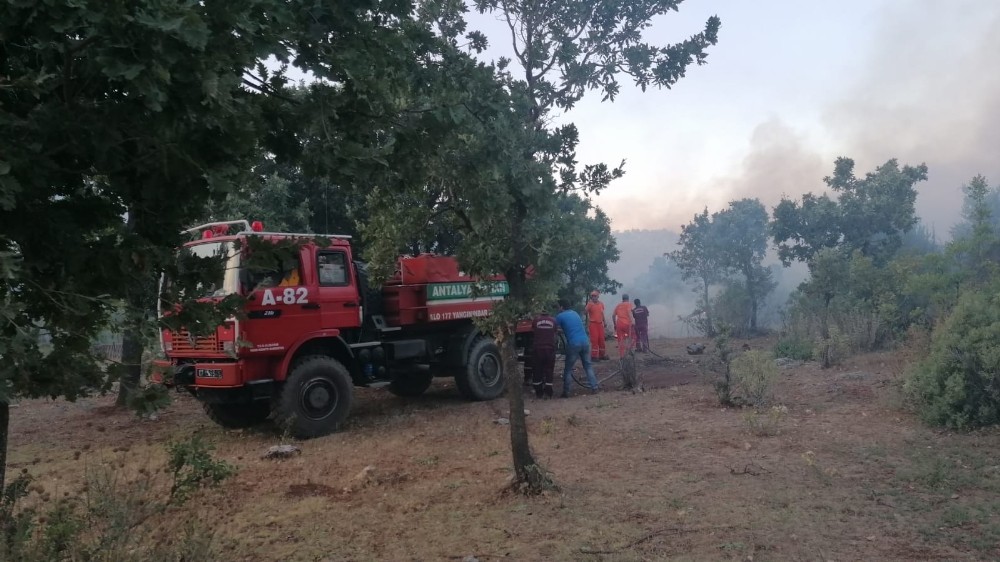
[482, 378]
[238, 416]
[316, 397]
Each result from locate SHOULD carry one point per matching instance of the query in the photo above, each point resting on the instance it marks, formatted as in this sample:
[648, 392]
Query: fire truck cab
[314, 330]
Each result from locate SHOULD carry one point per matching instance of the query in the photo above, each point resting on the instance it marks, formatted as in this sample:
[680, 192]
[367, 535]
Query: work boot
[548, 391]
[539, 392]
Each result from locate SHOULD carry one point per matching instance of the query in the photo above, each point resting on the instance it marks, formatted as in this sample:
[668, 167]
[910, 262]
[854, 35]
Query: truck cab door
[280, 308]
[339, 298]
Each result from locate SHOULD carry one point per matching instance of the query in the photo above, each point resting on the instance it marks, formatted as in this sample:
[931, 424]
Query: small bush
[958, 384]
[794, 348]
[833, 350]
[767, 422]
[753, 374]
[193, 467]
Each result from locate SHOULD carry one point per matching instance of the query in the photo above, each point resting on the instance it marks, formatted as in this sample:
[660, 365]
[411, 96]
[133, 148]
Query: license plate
[210, 373]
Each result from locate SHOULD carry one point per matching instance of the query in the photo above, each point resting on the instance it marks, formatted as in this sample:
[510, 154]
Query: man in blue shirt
[577, 346]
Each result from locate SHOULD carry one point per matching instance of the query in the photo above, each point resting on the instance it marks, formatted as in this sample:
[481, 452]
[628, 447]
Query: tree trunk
[131, 365]
[709, 327]
[4, 427]
[139, 296]
[527, 474]
[529, 477]
[826, 317]
[826, 362]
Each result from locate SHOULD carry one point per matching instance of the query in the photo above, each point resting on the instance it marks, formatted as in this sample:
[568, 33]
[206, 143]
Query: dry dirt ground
[665, 474]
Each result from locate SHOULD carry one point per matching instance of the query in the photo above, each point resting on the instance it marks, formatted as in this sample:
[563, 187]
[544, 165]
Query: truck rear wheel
[238, 416]
[411, 385]
[316, 398]
[482, 378]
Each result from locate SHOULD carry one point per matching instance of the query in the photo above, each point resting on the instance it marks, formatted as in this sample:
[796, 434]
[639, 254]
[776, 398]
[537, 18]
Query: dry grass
[665, 474]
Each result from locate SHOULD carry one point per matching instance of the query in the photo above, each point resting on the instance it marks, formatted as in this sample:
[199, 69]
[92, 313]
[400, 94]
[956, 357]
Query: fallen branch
[654, 534]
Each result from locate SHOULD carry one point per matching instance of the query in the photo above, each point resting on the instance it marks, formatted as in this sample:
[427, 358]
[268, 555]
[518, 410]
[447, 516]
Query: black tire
[482, 378]
[411, 384]
[238, 416]
[316, 398]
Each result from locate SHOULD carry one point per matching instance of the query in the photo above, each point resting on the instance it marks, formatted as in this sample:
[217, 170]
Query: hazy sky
[791, 85]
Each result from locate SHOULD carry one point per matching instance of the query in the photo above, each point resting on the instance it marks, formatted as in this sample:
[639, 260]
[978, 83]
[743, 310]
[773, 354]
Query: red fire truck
[313, 331]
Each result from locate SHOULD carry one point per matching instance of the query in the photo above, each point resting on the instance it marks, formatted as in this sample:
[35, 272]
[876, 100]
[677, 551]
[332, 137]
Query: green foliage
[870, 214]
[149, 399]
[794, 348]
[754, 373]
[120, 121]
[15, 525]
[980, 208]
[742, 230]
[269, 199]
[712, 249]
[587, 270]
[589, 44]
[700, 258]
[192, 467]
[848, 304]
[958, 384]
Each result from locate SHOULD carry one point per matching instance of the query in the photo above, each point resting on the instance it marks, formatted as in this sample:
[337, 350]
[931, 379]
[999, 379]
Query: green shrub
[753, 374]
[958, 384]
[192, 466]
[794, 348]
[834, 349]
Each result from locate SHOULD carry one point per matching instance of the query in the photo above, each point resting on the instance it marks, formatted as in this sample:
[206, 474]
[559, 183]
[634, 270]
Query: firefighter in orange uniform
[595, 327]
[622, 319]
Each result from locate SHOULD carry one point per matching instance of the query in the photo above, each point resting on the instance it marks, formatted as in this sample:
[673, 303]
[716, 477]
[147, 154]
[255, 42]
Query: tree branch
[266, 89]
[513, 32]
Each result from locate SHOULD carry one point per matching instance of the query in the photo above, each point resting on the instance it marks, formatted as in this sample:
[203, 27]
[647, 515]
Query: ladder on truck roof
[248, 230]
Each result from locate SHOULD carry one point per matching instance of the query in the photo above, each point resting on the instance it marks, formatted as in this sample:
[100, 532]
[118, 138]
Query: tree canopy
[870, 214]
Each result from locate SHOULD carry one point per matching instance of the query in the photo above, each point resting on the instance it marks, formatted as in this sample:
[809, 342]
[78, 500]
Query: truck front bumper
[213, 375]
[212, 382]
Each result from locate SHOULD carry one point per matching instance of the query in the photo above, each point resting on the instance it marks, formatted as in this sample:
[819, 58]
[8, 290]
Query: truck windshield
[226, 281]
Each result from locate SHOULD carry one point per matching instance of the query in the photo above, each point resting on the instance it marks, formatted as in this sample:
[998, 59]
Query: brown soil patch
[665, 474]
[311, 489]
